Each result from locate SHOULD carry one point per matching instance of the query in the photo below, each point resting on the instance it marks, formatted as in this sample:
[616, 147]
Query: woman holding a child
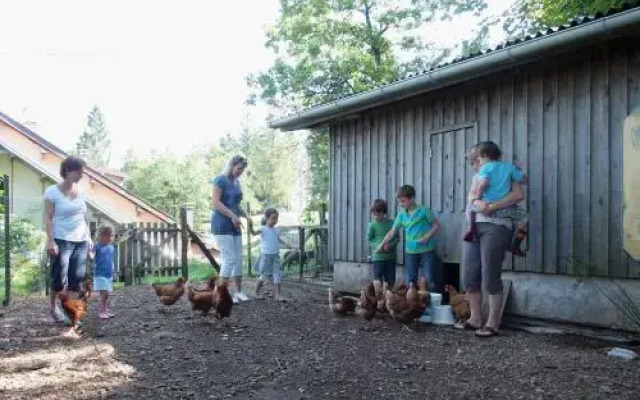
[490, 234]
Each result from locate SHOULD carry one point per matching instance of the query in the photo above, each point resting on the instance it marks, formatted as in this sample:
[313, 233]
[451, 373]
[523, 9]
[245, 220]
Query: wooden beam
[194, 236]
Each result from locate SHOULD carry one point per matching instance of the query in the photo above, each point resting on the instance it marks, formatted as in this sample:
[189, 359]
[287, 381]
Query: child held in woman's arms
[492, 183]
[384, 262]
[104, 270]
[269, 264]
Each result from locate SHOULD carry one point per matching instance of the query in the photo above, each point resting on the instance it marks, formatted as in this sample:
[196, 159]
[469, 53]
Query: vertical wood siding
[562, 121]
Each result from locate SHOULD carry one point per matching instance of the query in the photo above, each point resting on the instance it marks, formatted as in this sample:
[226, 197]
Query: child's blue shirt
[500, 175]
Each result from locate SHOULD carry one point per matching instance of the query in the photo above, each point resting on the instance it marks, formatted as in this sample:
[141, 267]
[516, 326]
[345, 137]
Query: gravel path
[291, 351]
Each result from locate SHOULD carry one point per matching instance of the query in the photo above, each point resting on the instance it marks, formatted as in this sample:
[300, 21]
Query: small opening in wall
[450, 276]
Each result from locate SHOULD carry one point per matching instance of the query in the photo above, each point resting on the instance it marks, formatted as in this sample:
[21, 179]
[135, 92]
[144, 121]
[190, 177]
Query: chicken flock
[403, 303]
[211, 297]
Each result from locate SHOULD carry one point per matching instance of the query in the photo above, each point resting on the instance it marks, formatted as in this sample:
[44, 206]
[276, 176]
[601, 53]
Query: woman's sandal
[487, 332]
[466, 326]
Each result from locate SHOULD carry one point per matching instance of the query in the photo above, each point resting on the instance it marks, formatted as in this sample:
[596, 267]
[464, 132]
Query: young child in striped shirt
[420, 227]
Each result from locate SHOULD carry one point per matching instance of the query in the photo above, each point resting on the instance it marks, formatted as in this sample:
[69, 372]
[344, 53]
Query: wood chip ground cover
[294, 350]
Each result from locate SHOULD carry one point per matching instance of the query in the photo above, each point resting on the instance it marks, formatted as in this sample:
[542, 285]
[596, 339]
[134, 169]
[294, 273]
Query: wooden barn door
[450, 177]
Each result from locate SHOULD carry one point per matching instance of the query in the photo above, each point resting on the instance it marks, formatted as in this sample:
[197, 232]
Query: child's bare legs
[278, 291]
[102, 305]
[259, 286]
[470, 233]
[107, 305]
[276, 283]
[521, 233]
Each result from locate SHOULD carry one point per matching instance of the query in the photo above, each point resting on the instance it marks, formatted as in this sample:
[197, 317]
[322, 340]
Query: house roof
[92, 172]
[112, 214]
[577, 33]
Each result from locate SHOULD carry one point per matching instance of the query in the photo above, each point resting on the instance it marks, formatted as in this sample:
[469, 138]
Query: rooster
[170, 294]
[341, 304]
[459, 303]
[367, 304]
[75, 308]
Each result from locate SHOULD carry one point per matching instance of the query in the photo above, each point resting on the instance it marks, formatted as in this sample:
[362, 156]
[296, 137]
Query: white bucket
[427, 316]
[441, 315]
[436, 299]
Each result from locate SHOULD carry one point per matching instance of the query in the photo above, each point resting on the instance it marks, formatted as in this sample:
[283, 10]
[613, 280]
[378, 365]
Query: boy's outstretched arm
[387, 238]
[395, 239]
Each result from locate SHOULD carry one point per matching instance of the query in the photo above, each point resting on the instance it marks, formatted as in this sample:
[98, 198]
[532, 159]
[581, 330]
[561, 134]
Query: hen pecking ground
[290, 351]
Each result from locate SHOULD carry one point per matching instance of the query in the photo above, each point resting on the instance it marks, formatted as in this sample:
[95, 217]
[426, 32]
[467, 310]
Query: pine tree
[94, 143]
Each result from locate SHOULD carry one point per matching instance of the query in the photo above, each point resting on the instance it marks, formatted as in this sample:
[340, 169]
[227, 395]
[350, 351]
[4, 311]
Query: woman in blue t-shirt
[225, 222]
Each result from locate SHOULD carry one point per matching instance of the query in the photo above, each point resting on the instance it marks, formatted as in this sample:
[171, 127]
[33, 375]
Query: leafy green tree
[271, 174]
[330, 49]
[527, 16]
[95, 140]
[166, 182]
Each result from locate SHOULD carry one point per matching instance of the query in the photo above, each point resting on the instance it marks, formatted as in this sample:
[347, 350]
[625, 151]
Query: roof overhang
[599, 30]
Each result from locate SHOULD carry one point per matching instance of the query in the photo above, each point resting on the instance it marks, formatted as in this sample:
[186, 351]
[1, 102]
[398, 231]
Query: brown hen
[459, 303]
[367, 304]
[170, 294]
[75, 308]
[222, 301]
[407, 308]
[201, 300]
[342, 304]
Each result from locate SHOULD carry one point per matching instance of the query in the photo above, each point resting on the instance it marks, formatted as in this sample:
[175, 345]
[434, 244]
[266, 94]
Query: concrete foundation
[552, 297]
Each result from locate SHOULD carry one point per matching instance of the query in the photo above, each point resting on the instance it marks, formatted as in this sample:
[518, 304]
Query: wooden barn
[564, 103]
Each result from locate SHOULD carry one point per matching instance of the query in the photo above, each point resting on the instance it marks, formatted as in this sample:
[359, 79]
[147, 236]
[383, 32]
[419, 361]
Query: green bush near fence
[25, 242]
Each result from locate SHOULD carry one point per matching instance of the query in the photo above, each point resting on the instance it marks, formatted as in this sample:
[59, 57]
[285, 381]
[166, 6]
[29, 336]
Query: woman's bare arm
[219, 206]
[48, 219]
[49, 209]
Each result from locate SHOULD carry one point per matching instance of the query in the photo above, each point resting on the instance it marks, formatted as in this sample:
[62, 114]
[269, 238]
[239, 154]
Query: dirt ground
[290, 351]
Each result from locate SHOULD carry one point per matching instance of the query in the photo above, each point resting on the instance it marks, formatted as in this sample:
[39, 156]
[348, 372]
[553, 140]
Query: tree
[528, 16]
[95, 140]
[330, 49]
[167, 182]
[271, 173]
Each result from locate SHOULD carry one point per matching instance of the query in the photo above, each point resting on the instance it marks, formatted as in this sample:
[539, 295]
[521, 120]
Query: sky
[167, 74]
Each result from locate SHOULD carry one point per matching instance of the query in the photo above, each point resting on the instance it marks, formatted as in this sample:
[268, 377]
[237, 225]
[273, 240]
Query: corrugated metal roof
[383, 94]
[570, 24]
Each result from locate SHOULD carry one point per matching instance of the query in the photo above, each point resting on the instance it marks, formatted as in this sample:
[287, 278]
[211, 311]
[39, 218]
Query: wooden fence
[154, 250]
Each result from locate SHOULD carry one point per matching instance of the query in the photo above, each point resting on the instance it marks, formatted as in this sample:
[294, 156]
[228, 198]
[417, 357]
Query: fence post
[7, 243]
[249, 258]
[129, 273]
[301, 249]
[184, 235]
[323, 214]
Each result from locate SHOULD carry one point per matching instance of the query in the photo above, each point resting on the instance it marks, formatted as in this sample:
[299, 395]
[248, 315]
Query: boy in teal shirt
[384, 262]
[420, 226]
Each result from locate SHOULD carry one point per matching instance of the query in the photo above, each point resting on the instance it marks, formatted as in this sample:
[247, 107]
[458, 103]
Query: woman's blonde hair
[233, 162]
